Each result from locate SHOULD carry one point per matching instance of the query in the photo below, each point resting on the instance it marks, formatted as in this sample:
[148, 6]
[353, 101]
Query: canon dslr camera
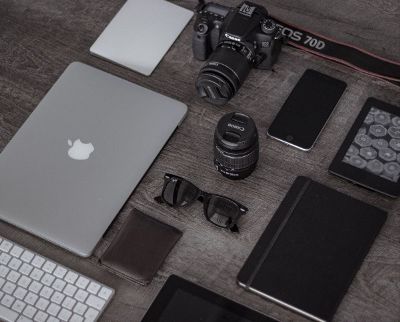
[234, 40]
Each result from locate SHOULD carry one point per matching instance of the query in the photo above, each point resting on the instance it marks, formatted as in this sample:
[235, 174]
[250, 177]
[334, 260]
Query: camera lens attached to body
[236, 147]
[233, 41]
[224, 73]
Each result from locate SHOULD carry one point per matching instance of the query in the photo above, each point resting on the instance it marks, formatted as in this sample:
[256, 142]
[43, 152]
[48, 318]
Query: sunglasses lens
[221, 211]
[179, 192]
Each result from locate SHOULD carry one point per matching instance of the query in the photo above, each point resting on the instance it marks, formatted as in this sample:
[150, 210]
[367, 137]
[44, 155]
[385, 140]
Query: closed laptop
[72, 165]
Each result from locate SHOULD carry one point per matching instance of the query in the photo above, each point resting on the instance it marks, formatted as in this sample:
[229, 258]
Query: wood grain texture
[39, 39]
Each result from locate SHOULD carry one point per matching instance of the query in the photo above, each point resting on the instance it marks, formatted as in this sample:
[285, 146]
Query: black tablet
[182, 301]
[370, 154]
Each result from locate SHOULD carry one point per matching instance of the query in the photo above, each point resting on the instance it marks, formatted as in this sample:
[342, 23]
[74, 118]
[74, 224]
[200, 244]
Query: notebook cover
[140, 248]
[312, 248]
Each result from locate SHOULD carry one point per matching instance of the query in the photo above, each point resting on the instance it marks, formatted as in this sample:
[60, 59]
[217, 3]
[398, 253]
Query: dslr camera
[233, 40]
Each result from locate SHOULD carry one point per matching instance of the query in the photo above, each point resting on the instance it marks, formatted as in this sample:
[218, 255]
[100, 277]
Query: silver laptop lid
[75, 161]
[141, 33]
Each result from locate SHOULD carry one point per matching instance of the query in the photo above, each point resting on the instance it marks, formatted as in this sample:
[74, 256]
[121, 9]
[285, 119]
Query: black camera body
[234, 40]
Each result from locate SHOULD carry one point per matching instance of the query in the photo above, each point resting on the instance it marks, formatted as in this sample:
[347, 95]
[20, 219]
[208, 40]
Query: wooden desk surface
[38, 39]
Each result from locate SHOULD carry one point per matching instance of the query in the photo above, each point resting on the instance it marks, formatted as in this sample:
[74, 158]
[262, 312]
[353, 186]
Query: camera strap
[340, 52]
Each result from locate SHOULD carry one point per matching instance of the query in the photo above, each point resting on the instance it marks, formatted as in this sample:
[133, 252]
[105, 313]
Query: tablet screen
[376, 147]
[184, 307]
[182, 301]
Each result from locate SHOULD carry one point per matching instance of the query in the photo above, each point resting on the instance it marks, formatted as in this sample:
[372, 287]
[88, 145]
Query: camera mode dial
[268, 26]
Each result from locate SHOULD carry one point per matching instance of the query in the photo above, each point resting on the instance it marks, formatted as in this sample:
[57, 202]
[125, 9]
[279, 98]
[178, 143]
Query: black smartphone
[307, 110]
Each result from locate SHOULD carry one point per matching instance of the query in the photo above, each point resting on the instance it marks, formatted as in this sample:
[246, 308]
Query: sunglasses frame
[204, 197]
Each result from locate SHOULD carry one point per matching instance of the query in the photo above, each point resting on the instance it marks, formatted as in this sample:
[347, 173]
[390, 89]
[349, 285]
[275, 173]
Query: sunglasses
[219, 210]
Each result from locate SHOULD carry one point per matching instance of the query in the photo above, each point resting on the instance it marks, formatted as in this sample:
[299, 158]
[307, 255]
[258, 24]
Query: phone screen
[307, 109]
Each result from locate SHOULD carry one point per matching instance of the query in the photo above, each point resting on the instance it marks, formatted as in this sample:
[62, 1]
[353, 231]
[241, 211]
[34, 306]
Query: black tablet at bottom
[182, 301]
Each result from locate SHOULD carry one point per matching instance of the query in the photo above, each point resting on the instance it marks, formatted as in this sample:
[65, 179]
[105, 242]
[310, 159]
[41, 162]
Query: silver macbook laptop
[141, 33]
[72, 165]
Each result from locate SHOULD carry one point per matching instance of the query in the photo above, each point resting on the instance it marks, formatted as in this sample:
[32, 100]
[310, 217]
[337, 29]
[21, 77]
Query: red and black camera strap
[342, 53]
[339, 52]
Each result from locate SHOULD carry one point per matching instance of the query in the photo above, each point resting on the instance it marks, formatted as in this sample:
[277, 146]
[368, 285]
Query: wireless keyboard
[34, 288]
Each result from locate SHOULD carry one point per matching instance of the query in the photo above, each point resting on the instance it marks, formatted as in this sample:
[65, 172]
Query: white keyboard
[34, 288]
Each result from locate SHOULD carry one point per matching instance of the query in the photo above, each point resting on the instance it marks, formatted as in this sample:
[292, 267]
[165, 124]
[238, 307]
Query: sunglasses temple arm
[234, 228]
[159, 199]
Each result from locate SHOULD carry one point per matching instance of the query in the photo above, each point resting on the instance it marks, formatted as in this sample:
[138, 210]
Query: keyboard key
[4, 271]
[5, 246]
[91, 315]
[38, 261]
[46, 292]
[26, 269]
[20, 293]
[53, 309]
[29, 311]
[60, 272]
[80, 308]
[36, 274]
[52, 319]
[82, 282]
[8, 287]
[105, 293]
[42, 304]
[27, 256]
[76, 318]
[57, 297]
[13, 276]
[18, 306]
[58, 284]
[23, 319]
[7, 314]
[64, 315]
[35, 287]
[81, 295]
[7, 300]
[94, 287]
[4, 258]
[71, 277]
[31, 298]
[24, 281]
[48, 279]
[70, 290]
[95, 302]
[16, 251]
[14, 263]
[2, 281]
[69, 303]
[40, 317]
[49, 267]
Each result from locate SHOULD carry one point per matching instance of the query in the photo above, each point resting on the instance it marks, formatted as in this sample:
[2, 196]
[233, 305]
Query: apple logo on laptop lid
[79, 150]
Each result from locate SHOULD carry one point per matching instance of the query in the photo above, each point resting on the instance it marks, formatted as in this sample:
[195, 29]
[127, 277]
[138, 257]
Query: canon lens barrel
[236, 146]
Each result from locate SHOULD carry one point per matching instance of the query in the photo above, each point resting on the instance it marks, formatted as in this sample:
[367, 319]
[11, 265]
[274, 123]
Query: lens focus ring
[236, 162]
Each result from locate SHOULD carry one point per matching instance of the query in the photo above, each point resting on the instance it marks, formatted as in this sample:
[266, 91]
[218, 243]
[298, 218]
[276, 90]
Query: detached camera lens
[236, 147]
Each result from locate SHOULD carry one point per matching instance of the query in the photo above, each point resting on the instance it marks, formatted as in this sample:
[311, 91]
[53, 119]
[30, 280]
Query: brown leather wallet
[140, 248]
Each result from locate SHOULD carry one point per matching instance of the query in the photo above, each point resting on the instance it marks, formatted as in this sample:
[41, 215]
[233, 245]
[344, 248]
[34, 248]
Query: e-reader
[370, 153]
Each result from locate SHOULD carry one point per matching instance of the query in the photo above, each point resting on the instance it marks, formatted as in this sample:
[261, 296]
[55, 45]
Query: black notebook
[311, 250]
